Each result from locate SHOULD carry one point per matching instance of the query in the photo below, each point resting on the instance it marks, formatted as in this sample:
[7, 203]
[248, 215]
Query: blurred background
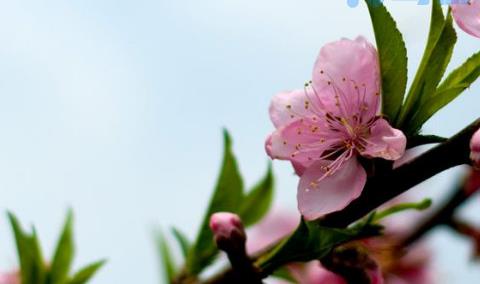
[115, 108]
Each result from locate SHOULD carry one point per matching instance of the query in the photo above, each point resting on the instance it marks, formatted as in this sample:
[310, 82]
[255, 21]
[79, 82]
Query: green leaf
[311, 241]
[434, 104]
[424, 204]
[258, 201]
[464, 75]
[169, 266]
[182, 241]
[283, 274]
[437, 23]
[393, 58]
[32, 266]
[454, 85]
[436, 66]
[86, 273]
[64, 253]
[227, 196]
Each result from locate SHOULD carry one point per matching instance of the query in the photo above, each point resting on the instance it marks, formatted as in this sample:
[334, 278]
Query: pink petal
[332, 193]
[467, 16]
[276, 225]
[297, 166]
[300, 167]
[385, 142]
[297, 142]
[350, 69]
[287, 107]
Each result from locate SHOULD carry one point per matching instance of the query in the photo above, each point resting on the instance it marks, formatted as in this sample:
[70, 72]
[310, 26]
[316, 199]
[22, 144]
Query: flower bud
[475, 149]
[228, 231]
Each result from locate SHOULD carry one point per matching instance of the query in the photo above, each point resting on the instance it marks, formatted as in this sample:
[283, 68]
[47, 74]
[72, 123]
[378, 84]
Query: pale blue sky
[115, 108]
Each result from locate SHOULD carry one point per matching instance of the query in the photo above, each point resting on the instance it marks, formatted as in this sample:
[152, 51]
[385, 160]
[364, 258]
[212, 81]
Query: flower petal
[302, 142]
[332, 193]
[467, 15]
[384, 142]
[349, 68]
[287, 107]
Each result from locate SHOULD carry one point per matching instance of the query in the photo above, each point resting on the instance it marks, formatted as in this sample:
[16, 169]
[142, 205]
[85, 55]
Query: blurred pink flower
[323, 128]
[10, 278]
[276, 225]
[413, 267]
[475, 148]
[467, 15]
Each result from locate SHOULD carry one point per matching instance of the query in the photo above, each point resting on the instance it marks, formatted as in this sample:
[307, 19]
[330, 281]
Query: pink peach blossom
[475, 149]
[323, 128]
[467, 15]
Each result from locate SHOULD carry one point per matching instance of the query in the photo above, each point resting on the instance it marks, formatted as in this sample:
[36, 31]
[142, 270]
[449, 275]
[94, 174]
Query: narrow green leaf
[168, 264]
[311, 241]
[393, 58]
[182, 241]
[64, 253]
[227, 196]
[464, 75]
[424, 204]
[86, 273]
[437, 23]
[39, 269]
[434, 104]
[32, 267]
[22, 246]
[437, 64]
[258, 201]
[454, 85]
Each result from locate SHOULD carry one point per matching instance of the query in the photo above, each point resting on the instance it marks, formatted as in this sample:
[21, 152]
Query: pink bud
[228, 230]
[475, 149]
